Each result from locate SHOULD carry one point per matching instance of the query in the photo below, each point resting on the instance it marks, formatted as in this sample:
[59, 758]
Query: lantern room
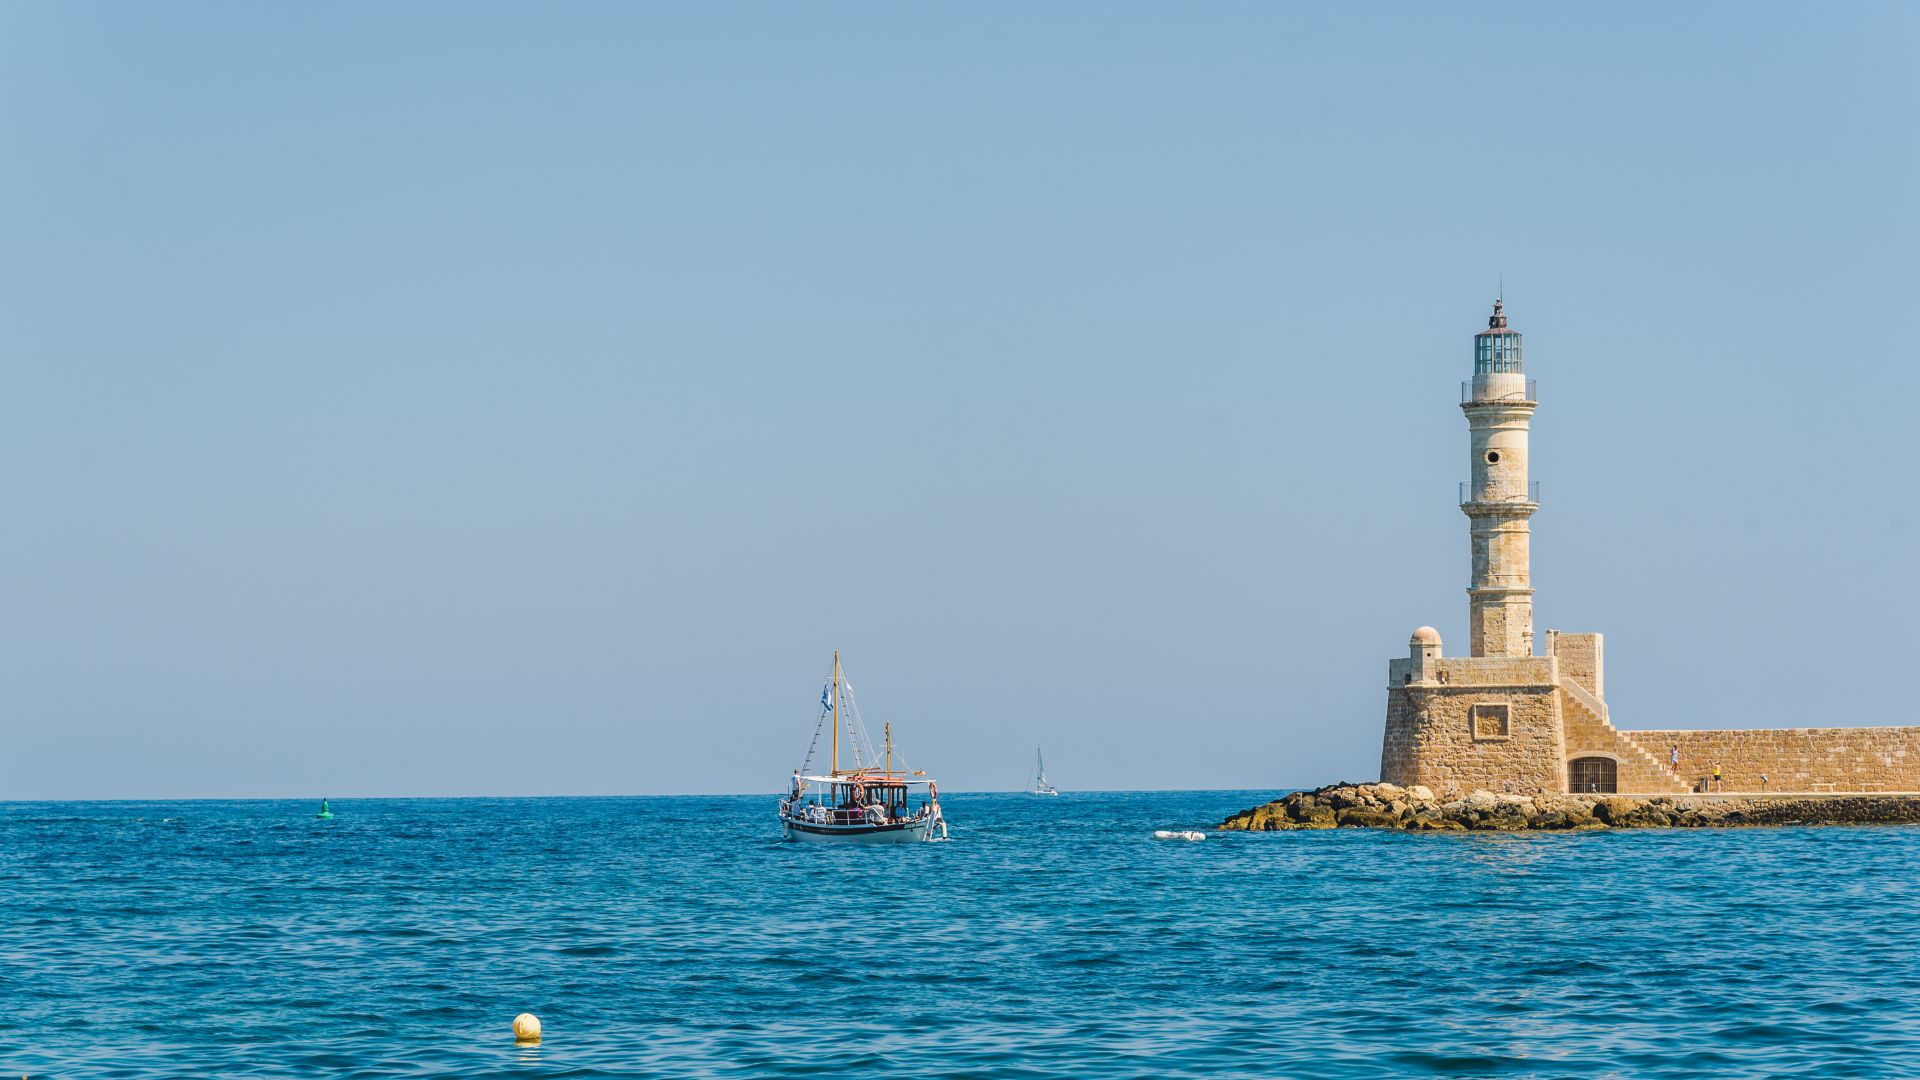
[1496, 350]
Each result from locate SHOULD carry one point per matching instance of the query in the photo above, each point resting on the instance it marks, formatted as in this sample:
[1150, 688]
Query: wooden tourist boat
[870, 803]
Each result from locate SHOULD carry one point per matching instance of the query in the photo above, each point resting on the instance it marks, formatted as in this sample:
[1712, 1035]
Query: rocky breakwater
[1389, 806]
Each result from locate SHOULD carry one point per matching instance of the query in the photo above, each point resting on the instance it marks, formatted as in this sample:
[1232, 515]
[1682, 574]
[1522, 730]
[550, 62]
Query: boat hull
[904, 832]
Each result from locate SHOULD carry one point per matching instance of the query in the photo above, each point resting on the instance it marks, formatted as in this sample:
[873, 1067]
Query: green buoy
[325, 813]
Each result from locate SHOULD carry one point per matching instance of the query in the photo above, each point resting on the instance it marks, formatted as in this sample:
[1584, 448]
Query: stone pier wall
[1588, 734]
[1511, 724]
[1795, 759]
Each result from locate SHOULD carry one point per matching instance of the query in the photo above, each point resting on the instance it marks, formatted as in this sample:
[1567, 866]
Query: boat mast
[889, 731]
[836, 713]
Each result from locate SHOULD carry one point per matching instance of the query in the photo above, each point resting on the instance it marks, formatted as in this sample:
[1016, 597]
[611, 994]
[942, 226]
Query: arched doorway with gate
[1593, 776]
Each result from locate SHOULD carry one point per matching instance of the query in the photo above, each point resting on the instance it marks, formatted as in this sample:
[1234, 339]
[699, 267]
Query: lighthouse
[1504, 717]
[1507, 719]
[1498, 499]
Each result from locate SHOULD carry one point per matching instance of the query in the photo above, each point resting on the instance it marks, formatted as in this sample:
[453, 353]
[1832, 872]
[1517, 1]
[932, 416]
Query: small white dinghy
[1185, 834]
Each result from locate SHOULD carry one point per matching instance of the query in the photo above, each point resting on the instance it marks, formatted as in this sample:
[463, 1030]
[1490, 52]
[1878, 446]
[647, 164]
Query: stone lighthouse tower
[1498, 499]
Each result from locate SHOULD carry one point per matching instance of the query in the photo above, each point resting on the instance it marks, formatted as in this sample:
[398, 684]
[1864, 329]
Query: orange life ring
[859, 793]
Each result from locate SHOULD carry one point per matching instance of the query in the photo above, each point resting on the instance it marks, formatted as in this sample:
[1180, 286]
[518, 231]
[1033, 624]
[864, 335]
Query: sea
[1048, 937]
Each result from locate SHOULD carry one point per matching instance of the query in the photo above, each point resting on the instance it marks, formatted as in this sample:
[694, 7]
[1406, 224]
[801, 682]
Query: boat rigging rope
[856, 727]
[859, 743]
[818, 726]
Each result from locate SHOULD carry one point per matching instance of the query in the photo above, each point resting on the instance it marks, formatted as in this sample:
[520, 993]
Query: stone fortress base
[1539, 724]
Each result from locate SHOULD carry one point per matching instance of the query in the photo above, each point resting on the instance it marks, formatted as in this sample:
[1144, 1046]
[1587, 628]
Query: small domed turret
[1423, 652]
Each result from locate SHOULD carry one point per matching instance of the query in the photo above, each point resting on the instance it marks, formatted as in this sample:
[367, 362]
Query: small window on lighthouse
[1493, 457]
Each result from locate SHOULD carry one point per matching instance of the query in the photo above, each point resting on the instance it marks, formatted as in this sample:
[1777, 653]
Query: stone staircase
[1588, 729]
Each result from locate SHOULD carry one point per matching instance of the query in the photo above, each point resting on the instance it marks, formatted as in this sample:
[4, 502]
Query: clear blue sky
[492, 399]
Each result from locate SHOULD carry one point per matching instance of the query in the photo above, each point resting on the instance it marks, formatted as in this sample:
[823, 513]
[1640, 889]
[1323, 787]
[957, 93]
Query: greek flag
[826, 696]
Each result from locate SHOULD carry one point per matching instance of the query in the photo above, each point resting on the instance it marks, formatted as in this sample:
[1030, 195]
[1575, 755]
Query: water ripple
[1051, 938]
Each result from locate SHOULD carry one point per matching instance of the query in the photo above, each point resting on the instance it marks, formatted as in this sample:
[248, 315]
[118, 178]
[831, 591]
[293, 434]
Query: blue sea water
[1048, 938]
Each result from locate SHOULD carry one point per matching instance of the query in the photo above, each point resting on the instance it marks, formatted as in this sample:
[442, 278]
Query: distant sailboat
[1040, 785]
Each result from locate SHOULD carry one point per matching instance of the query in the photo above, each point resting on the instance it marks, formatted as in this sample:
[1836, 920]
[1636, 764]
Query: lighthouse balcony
[1470, 498]
[1500, 389]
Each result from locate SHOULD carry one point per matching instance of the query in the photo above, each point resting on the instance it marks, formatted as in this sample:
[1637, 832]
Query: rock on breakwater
[1390, 806]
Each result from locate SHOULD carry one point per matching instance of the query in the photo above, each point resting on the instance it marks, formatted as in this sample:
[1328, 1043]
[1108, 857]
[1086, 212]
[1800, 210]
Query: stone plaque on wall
[1490, 722]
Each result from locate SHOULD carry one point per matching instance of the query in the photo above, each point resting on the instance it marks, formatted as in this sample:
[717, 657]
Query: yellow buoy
[526, 1028]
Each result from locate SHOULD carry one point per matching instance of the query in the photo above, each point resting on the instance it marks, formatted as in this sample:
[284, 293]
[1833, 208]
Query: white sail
[1040, 785]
